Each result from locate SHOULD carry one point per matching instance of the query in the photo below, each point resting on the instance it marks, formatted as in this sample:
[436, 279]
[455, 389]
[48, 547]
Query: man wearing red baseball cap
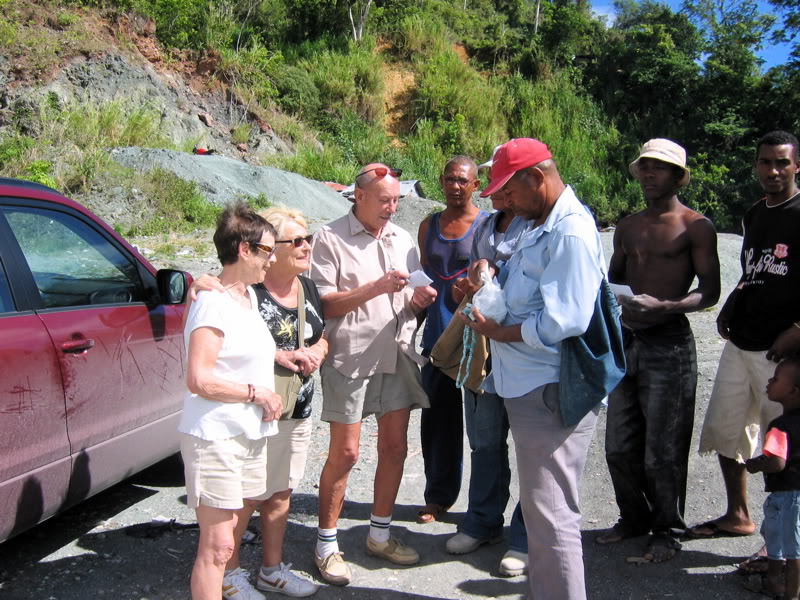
[550, 283]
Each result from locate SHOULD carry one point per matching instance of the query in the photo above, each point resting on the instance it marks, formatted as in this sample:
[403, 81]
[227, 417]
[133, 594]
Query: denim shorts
[781, 526]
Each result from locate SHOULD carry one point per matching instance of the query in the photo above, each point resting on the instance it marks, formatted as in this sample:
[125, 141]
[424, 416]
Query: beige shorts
[220, 473]
[738, 409]
[287, 452]
[348, 401]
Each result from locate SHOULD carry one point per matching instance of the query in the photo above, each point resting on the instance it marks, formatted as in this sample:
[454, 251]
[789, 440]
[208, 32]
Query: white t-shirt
[247, 356]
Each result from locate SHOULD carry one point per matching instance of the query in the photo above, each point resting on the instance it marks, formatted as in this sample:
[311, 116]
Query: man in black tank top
[761, 321]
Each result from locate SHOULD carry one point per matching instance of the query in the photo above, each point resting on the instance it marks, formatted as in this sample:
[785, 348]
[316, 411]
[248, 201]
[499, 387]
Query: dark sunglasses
[382, 171]
[263, 247]
[297, 242]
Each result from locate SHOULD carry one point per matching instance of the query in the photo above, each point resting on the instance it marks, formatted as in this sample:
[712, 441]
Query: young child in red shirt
[780, 463]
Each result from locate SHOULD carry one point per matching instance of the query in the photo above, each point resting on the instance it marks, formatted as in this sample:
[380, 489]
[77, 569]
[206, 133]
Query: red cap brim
[495, 185]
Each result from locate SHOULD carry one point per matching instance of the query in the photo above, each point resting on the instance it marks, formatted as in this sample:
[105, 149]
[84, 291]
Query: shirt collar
[357, 226]
[566, 204]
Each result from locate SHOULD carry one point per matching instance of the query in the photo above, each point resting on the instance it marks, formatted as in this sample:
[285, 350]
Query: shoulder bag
[592, 364]
[288, 382]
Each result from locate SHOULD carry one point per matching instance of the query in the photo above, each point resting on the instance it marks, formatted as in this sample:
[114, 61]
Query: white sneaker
[284, 581]
[461, 543]
[514, 563]
[236, 586]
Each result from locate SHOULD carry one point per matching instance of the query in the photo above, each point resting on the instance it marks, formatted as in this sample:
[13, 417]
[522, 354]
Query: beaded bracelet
[251, 392]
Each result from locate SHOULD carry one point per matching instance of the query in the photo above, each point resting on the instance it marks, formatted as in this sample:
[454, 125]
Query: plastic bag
[490, 299]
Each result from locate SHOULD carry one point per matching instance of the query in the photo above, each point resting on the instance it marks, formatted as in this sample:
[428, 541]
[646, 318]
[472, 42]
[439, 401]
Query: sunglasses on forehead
[296, 242]
[382, 171]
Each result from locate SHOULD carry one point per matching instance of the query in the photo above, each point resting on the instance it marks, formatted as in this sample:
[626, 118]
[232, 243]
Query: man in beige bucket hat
[665, 151]
[657, 252]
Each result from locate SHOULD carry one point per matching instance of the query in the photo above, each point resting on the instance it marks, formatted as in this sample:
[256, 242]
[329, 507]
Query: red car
[91, 356]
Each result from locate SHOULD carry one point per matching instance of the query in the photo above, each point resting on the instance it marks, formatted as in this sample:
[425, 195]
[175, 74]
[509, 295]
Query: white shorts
[287, 452]
[221, 473]
[739, 409]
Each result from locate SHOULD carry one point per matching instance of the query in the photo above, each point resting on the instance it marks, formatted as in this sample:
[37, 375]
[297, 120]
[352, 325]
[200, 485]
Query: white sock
[379, 528]
[267, 571]
[326, 542]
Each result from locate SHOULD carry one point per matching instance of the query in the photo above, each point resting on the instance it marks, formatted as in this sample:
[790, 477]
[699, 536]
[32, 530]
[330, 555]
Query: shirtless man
[445, 241]
[657, 252]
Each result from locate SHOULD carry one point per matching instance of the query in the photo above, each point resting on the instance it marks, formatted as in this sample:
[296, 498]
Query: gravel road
[96, 550]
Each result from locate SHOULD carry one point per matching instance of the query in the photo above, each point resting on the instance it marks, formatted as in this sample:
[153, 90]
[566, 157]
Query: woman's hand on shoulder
[205, 283]
[270, 402]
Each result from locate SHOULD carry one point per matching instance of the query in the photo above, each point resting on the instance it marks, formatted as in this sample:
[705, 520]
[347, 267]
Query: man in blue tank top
[445, 241]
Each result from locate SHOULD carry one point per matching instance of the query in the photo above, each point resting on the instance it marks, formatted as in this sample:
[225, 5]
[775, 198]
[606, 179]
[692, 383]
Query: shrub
[248, 70]
[297, 93]
[348, 80]
[712, 191]
[423, 159]
[586, 147]
[448, 88]
[419, 36]
[175, 205]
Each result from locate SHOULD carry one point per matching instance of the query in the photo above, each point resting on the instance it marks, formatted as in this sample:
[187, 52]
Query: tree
[362, 10]
[790, 29]
[647, 72]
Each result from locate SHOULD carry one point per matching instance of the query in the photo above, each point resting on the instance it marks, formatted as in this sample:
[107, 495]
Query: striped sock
[326, 542]
[379, 528]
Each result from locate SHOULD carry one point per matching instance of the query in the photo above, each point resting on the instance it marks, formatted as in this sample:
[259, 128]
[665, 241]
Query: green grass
[175, 205]
[74, 140]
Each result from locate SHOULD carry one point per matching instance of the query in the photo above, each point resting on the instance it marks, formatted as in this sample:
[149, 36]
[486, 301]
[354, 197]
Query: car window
[6, 302]
[73, 264]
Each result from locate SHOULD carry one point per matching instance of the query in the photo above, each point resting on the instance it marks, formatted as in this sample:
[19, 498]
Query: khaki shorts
[287, 452]
[738, 409]
[348, 401]
[220, 473]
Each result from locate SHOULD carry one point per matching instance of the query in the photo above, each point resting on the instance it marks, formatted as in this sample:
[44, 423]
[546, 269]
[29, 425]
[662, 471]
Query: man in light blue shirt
[486, 419]
[550, 284]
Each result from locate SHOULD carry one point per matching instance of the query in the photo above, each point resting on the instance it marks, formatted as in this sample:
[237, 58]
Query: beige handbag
[288, 382]
[447, 352]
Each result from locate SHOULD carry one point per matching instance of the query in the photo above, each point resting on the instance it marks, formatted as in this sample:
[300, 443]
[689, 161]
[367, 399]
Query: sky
[772, 54]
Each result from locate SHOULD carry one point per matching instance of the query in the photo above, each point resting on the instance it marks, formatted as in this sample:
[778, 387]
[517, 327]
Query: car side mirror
[172, 286]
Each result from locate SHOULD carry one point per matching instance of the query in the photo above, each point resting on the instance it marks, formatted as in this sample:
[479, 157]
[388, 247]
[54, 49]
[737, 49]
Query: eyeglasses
[382, 171]
[263, 247]
[458, 180]
[297, 242]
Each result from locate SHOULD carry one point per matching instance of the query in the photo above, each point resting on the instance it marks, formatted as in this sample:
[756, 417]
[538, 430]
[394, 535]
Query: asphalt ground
[106, 548]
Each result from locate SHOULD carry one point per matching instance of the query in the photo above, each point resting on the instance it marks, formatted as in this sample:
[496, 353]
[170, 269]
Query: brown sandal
[430, 513]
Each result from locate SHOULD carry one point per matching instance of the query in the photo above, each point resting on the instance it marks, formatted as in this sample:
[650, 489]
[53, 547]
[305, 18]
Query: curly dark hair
[778, 138]
[236, 224]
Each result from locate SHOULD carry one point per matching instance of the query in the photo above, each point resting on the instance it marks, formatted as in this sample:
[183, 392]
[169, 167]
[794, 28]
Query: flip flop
[716, 532]
[758, 584]
[615, 535]
[430, 513]
[756, 564]
[661, 548]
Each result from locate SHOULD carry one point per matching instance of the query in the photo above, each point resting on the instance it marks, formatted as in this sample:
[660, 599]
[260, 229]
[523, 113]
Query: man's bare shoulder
[628, 224]
[425, 223]
[699, 227]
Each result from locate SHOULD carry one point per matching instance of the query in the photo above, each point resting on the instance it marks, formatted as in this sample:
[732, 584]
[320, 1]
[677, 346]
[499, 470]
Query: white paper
[621, 290]
[419, 279]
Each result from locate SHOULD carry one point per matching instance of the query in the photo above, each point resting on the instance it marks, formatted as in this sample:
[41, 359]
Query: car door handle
[77, 346]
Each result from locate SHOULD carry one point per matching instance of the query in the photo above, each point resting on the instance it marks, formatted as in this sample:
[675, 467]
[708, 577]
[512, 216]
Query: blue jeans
[781, 525]
[442, 437]
[487, 431]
